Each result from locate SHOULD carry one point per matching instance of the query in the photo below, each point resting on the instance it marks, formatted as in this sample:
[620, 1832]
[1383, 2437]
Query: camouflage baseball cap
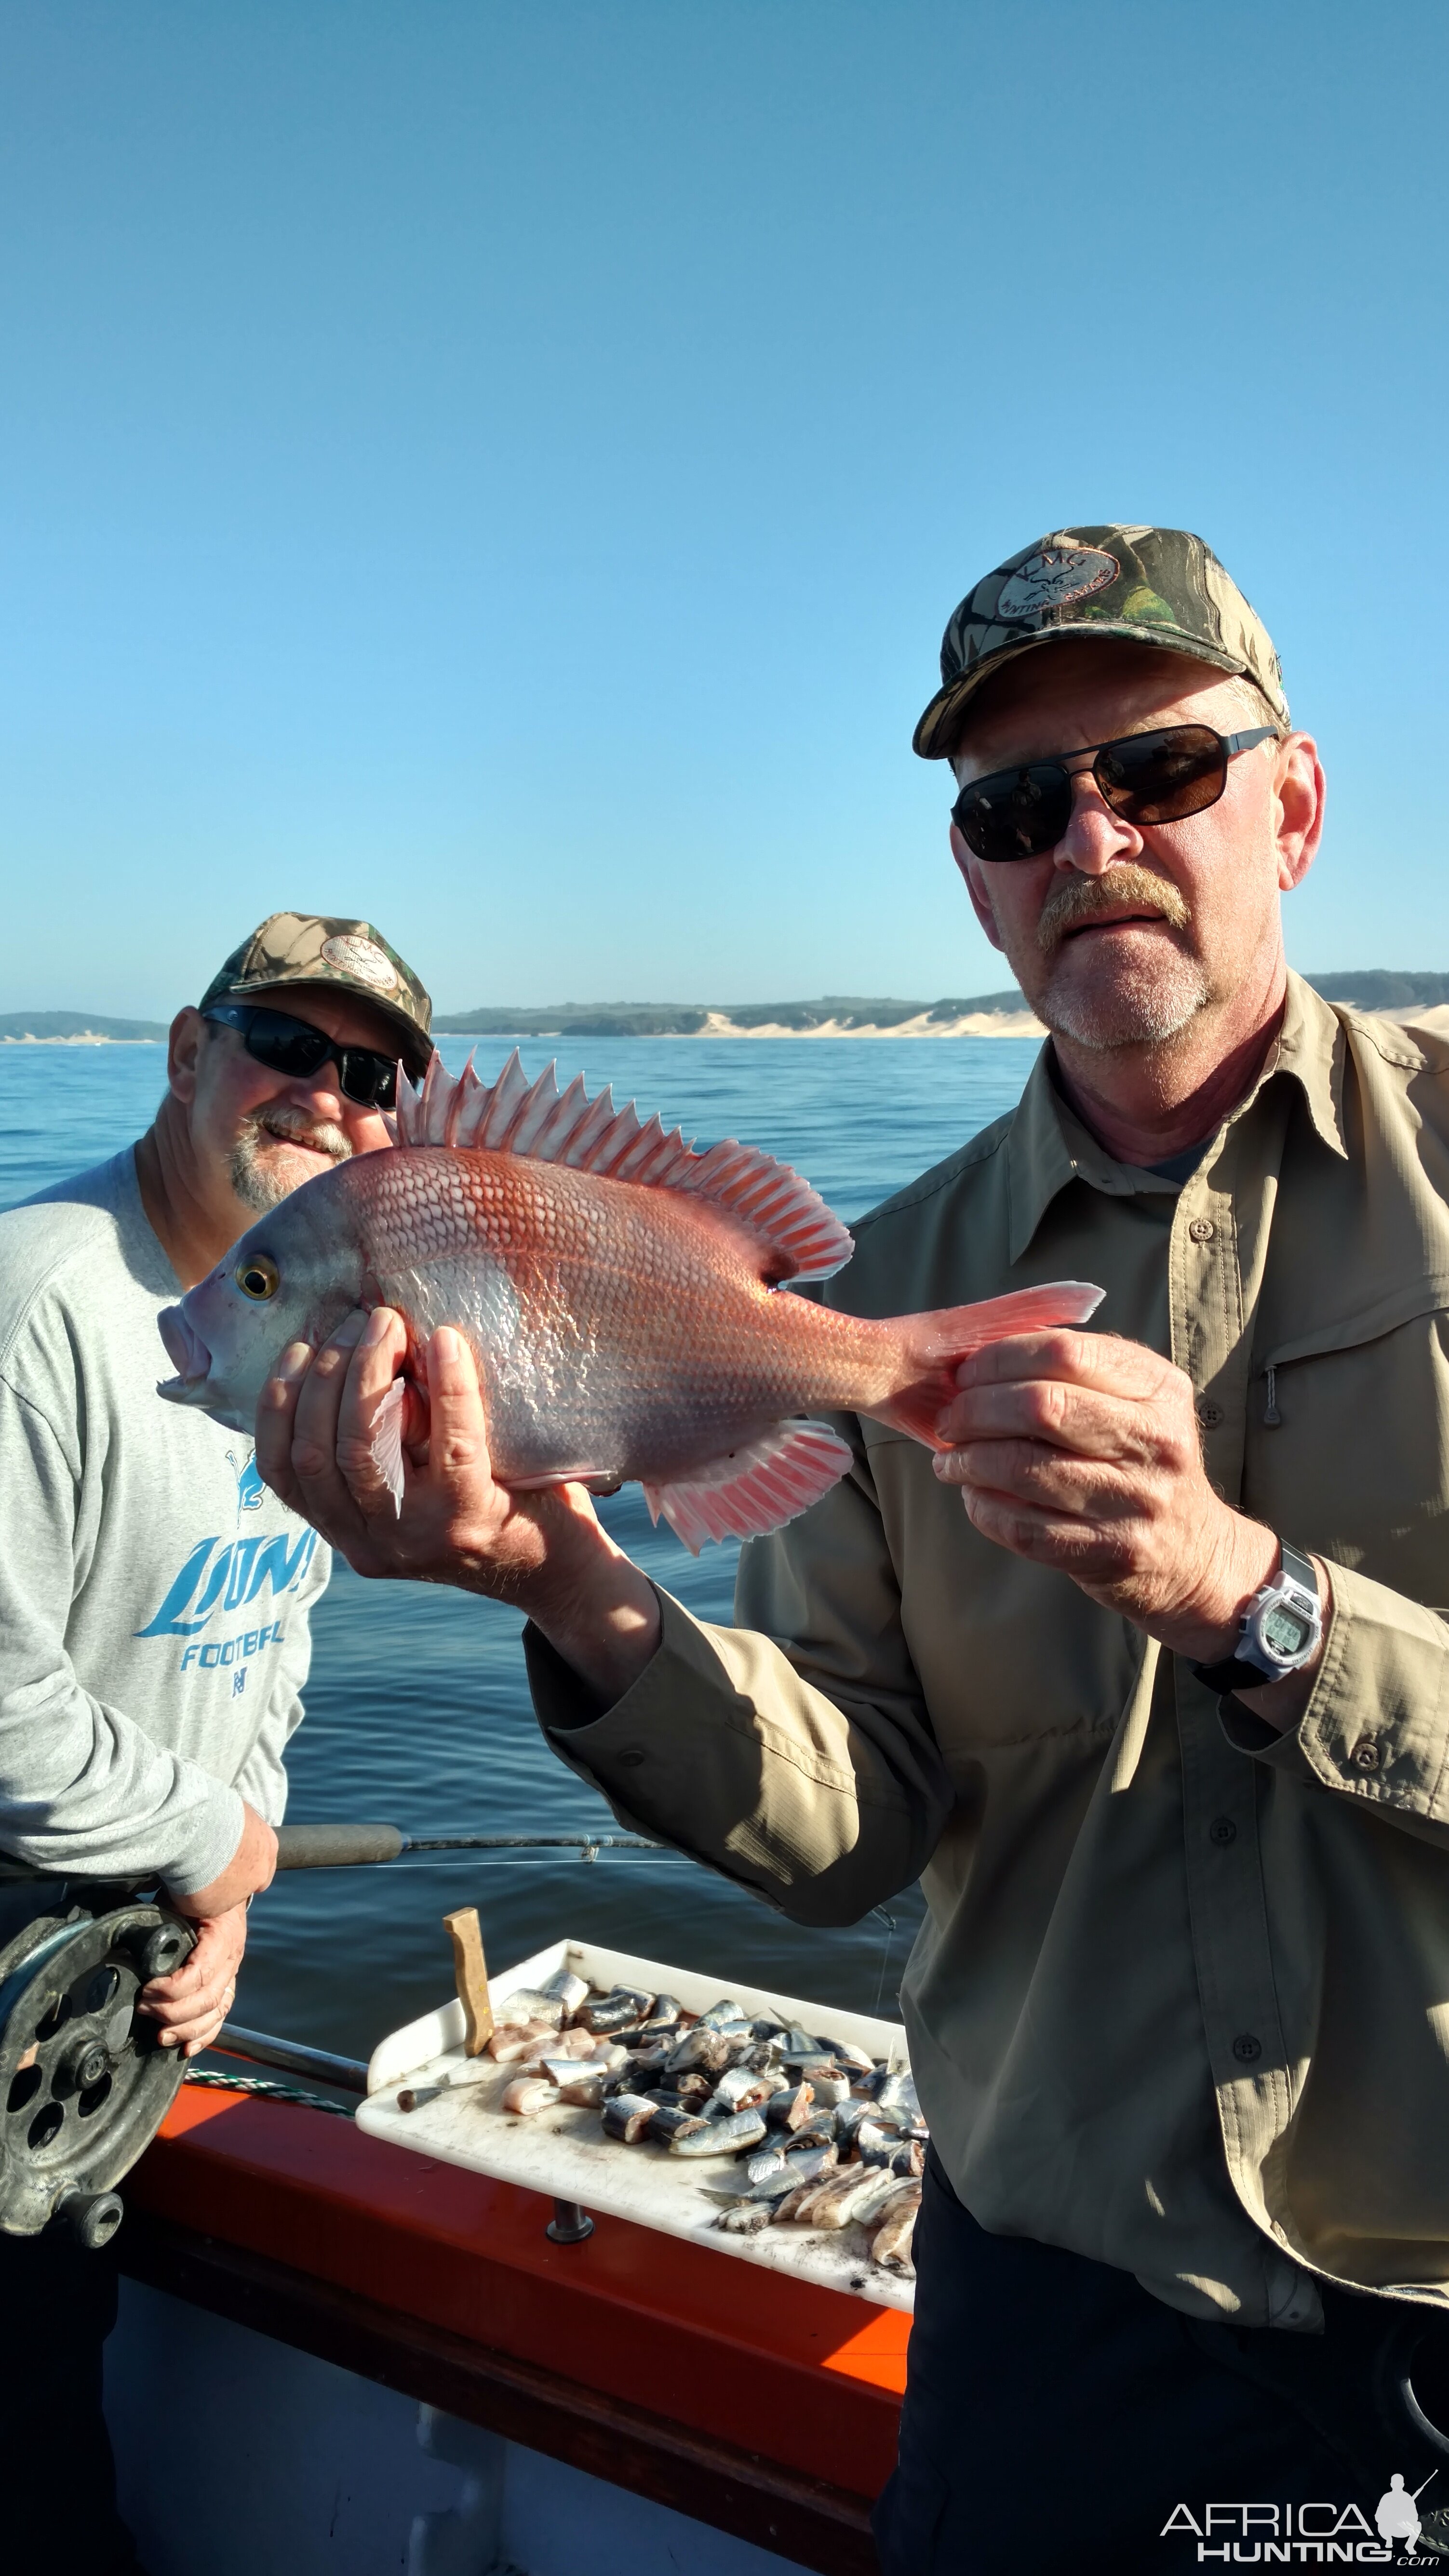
[1145, 585]
[313, 948]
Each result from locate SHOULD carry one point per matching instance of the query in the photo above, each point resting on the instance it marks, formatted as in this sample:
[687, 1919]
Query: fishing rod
[366, 1845]
[83, 2085]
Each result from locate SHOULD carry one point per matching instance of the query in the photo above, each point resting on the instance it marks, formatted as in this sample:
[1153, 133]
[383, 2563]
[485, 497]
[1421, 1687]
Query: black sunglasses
[1146, 778]
[294, 1047]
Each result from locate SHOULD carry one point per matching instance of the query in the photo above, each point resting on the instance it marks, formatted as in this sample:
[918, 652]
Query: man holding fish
[154, 1596]
[1118, 1639]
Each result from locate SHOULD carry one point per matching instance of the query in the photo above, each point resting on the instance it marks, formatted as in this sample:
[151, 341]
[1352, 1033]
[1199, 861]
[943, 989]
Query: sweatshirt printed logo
[210, 1585]
[251, 1493]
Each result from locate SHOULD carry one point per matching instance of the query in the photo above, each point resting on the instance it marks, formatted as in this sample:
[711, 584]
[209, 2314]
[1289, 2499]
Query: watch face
[1285, 1631]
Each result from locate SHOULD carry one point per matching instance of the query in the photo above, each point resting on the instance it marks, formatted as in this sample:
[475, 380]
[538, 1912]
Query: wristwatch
[1278, 1633]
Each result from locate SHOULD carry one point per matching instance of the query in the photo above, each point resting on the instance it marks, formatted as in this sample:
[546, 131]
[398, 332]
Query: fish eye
[258, 1276]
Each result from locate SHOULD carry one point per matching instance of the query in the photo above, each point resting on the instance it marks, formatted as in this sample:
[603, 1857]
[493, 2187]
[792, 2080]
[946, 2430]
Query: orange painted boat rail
[746, 2398]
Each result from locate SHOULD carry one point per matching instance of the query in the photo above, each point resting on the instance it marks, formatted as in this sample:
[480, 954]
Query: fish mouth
[188, 1354]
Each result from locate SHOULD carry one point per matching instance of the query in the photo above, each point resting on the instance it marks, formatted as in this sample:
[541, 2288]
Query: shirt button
[630, 1758]
[1246, 2048]
[1202, 1229]
[1222, 1830]
[1208, 1413]
[1366, 1755]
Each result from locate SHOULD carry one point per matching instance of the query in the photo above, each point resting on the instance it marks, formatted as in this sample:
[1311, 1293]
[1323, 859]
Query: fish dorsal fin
[516, 1116]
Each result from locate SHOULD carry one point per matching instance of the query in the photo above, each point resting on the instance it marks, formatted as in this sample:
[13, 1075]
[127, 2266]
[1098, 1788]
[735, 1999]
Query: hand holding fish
[545, 1551]
[620, 1295]
[1083, 1451]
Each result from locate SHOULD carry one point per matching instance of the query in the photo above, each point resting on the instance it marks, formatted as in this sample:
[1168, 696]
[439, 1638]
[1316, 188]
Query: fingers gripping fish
[619, 1292]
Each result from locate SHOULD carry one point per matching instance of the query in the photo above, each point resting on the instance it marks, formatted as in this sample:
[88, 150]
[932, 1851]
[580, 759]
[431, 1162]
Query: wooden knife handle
[470, 1971]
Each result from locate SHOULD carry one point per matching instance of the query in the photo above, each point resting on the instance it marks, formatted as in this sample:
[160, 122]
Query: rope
[267, 2086]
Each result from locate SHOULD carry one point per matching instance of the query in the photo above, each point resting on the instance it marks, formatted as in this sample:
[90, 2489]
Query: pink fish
[619, 1291]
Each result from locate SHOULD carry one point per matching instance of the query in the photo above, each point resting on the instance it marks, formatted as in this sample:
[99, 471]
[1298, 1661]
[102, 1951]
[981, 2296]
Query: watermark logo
[1306, 2535]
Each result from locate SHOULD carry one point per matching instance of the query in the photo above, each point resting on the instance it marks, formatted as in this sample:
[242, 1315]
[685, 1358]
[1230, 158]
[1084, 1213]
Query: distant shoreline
[972, 1024]
[1420, 997]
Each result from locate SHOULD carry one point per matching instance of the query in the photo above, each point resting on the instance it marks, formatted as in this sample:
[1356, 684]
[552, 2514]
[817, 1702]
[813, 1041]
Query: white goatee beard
[1148, 999]
[258, 1178]
[1142, 1010]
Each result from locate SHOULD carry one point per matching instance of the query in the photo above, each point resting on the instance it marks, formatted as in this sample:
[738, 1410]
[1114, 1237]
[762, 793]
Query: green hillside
[76, 1024]
[686, 1019]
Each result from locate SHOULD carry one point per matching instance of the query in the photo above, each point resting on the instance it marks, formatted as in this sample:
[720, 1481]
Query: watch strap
[1235, 1672]
[1233, 1675]
[1299, 1567]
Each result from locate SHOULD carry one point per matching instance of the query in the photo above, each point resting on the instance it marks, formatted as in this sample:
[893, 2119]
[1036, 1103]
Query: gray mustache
[297, 1129]
[1078, 899]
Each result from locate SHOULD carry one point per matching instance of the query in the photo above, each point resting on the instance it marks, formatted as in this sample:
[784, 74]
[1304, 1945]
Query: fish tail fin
[931, 1347]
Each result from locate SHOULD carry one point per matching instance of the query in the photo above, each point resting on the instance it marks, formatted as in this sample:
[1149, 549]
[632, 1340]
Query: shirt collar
[1048, 1146]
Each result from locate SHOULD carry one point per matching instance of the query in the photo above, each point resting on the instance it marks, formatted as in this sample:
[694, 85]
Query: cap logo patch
[1052, 578]
[364, 960]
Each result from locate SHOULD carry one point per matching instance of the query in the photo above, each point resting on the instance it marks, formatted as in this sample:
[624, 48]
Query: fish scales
[624, 1327]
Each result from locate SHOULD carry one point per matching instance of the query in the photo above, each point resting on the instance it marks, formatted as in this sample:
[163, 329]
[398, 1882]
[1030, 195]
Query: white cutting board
[564, 2151]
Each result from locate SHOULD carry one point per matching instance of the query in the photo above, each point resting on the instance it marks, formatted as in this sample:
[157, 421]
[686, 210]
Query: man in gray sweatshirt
[154, 1594]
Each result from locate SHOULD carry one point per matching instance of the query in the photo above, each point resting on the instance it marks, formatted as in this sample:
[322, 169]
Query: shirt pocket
[1347, 1445]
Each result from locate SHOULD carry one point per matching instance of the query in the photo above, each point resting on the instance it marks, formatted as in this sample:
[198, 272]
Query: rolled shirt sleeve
[1376, 1727]
[813, 1777]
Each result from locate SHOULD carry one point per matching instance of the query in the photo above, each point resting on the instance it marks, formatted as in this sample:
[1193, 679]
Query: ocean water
[417, 1710]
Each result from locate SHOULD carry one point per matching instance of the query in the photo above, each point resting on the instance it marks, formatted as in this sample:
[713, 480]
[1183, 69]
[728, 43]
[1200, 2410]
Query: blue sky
[504, 469]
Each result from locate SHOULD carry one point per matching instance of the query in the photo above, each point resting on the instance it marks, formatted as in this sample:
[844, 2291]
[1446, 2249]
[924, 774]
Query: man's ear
[1300, 795]
[970, 867]
[183, 1053]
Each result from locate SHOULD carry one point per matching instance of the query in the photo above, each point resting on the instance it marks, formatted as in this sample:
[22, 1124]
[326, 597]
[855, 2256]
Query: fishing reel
[84, 2085]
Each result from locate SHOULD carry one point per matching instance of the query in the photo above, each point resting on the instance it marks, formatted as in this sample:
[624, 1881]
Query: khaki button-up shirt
[1181, 2001]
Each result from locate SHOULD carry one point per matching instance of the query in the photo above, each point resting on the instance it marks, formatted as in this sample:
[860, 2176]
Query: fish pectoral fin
[753, 1489]
[387, 1447]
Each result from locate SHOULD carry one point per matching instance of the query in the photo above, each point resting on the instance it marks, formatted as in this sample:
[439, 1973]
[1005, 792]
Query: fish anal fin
[752, 1489]
[797, 1234]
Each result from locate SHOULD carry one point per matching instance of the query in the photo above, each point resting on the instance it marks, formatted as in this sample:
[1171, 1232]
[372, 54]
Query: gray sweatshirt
[154, 1595]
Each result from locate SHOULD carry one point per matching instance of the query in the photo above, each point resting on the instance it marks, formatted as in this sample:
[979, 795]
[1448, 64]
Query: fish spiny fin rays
[801, 1236]
[755, 1489]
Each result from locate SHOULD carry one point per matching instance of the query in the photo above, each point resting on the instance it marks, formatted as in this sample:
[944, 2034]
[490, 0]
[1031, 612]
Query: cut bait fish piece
[529, 2004]
[530, 2093]
[898, 2093]
[582, 2089]
[570, 1989]
[743, 2088]
[514, 2040]
[833, 2203]
[629, 2117]
[574, 2043]
[608, 2013]
[891, 2244]
[744, 2218]
[700, 2050]
[831, 2088]
[719, 2137]
[791, 2108]
[769, 2160]
[726, 2009]
[671, 2117]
